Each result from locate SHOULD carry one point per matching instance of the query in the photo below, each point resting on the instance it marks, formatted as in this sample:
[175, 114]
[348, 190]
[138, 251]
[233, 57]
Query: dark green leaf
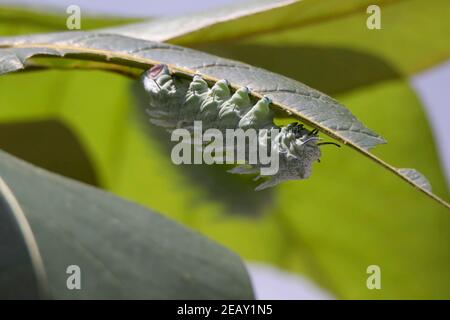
[123, 250]
[166, 28]
[22, 274]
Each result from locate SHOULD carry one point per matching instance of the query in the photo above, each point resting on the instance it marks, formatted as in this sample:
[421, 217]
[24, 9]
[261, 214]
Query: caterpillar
[176, 102]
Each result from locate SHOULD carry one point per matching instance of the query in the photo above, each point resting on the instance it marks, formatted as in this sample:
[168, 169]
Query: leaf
[21, 260]
[246, 19]
[289, 96]
[18, 20]
[408, 47]
[166, 28]
[298, 14]
[415, 176]
[123, 250]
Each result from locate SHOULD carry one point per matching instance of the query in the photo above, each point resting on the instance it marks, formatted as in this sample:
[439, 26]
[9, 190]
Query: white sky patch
[271, 283]
[433, 88]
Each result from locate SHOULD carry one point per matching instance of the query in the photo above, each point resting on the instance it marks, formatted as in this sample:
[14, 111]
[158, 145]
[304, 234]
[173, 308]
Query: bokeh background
[308, 239]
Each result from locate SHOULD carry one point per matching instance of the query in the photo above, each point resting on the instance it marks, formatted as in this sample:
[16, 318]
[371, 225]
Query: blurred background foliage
[350, 214]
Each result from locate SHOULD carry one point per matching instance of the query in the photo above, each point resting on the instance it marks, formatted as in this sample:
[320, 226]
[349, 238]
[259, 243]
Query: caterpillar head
[297, 148]
[157, 79]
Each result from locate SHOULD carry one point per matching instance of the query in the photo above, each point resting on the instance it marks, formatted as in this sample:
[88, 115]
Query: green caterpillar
[176, 102]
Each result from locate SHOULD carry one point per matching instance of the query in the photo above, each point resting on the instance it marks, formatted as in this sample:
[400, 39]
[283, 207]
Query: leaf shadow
[49, 144]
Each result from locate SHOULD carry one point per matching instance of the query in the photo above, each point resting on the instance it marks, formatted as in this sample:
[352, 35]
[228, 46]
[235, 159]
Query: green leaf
[289, 96]
[17, 20]
[21, 261]
[418, 178]
[166, 28]
[123, 250]
[412, 37]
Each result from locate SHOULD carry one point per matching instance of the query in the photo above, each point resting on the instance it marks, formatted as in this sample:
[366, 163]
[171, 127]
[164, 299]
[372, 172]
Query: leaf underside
[124, 251]
[289, 97]
[166, 28]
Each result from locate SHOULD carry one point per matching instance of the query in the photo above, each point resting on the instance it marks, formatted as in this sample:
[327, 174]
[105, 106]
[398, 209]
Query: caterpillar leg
[244, 169]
